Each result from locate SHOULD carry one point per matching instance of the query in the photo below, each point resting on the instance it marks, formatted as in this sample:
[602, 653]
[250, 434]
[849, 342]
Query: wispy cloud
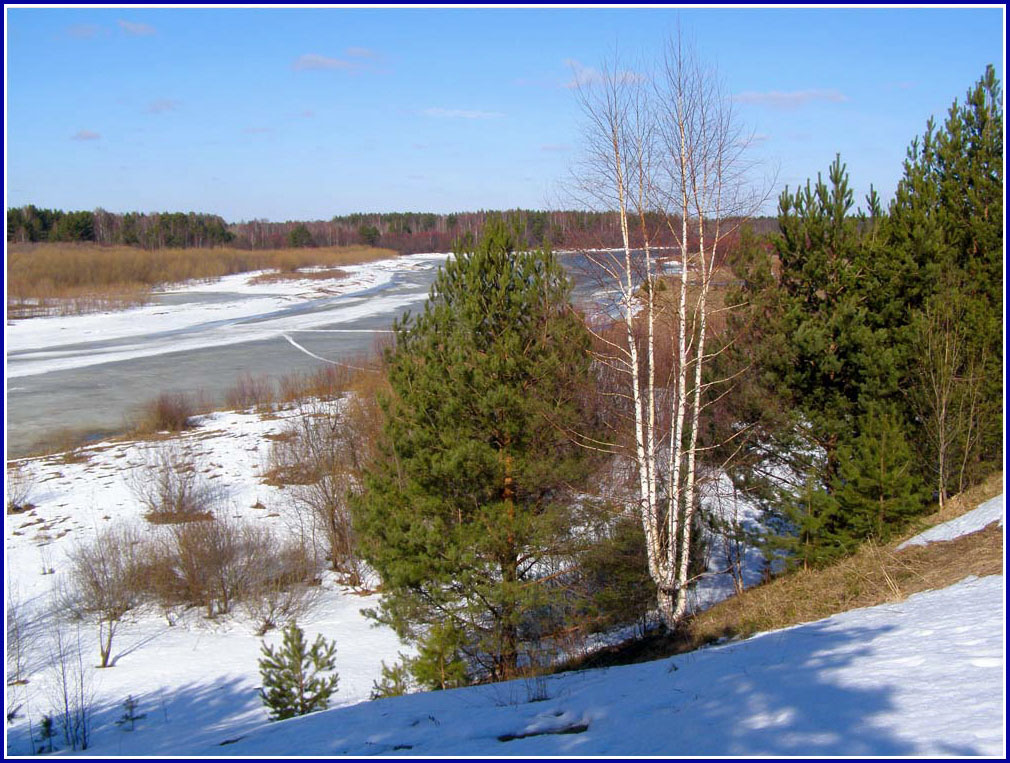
[161, 106]
[307, 114]
[84, 31]
[554, 147]
[354, 59]
[581, 75]
[314, 61]
[439, 113]
[85, 135]
[361, 53]
[257, 130]
[136, 28]
[585, 76]
[790, 99]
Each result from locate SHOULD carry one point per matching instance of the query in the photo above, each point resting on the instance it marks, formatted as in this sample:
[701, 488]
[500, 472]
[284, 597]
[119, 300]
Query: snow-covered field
[920, 677]
[197, 679]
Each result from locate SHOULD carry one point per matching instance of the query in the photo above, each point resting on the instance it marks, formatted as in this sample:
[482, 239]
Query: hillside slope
[922, 677]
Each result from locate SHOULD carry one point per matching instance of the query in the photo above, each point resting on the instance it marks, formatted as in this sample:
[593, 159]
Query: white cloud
[790, 99]
[136, 28]
[361, 53]
[314, 61]
[440, 113]
[85, 135]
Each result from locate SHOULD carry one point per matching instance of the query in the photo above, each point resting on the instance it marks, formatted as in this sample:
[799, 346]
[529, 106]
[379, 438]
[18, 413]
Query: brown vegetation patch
[168, 412]
[329, 274]
[70, 279]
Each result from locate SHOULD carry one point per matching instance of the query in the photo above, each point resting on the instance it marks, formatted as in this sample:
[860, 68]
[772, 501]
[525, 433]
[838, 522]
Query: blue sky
[306, 113]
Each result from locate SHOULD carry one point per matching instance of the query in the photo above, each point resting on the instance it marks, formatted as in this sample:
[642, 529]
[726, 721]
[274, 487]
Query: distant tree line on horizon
[403, 232]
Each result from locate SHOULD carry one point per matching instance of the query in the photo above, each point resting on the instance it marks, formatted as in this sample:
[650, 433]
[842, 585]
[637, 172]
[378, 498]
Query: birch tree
[663, 151]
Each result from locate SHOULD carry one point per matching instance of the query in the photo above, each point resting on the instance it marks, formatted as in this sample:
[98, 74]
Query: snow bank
[991, 511]
[921, 677]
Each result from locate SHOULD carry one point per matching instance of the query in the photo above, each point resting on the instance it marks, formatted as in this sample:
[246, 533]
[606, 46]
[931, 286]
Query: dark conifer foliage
[468, 497]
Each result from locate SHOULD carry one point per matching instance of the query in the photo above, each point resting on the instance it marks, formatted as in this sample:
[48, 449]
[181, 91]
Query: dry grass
[327, 274]
[48, 279]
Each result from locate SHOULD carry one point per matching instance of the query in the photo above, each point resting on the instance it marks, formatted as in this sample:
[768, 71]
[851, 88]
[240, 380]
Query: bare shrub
[16, 642]
[284, 587]
[322, 458]
[168, 412]
[172, 487]
[71, 690]
[223, 562]
[250, 392]
[215, 560]
[20, 485]
[103, 584]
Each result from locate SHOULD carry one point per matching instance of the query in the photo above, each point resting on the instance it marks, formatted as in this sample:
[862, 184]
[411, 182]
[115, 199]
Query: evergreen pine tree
[945, 246]
[439, 663]
[878, 486]
[293, 680]
[465, 498]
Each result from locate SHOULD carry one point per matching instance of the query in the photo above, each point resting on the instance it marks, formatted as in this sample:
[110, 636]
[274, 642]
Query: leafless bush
[169, 411]
[223, 562]
[103, 582]
[214, 561]
[250, 392]
[322, 457]
[284, 587]
[17, 641]
[20, 486]
[71, 690]
[172, 487]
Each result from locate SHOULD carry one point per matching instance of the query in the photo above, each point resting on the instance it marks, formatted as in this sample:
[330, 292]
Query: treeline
[403, 232]
[870, 351]
[150, 231]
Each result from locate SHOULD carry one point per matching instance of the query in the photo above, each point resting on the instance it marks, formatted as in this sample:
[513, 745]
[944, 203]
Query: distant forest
[404, 232]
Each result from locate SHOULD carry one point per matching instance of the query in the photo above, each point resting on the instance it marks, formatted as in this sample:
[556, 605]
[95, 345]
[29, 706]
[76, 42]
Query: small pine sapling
[130, 714]
[47, 731]
[395, 680]
[293, 680]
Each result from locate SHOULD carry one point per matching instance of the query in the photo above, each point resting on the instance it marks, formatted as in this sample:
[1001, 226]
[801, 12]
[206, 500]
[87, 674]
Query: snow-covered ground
[920, 677]
[923, 677]
[197, 678]
[993, 510]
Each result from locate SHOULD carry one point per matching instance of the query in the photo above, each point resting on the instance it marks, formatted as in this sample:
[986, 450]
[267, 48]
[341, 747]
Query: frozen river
[93, 372]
